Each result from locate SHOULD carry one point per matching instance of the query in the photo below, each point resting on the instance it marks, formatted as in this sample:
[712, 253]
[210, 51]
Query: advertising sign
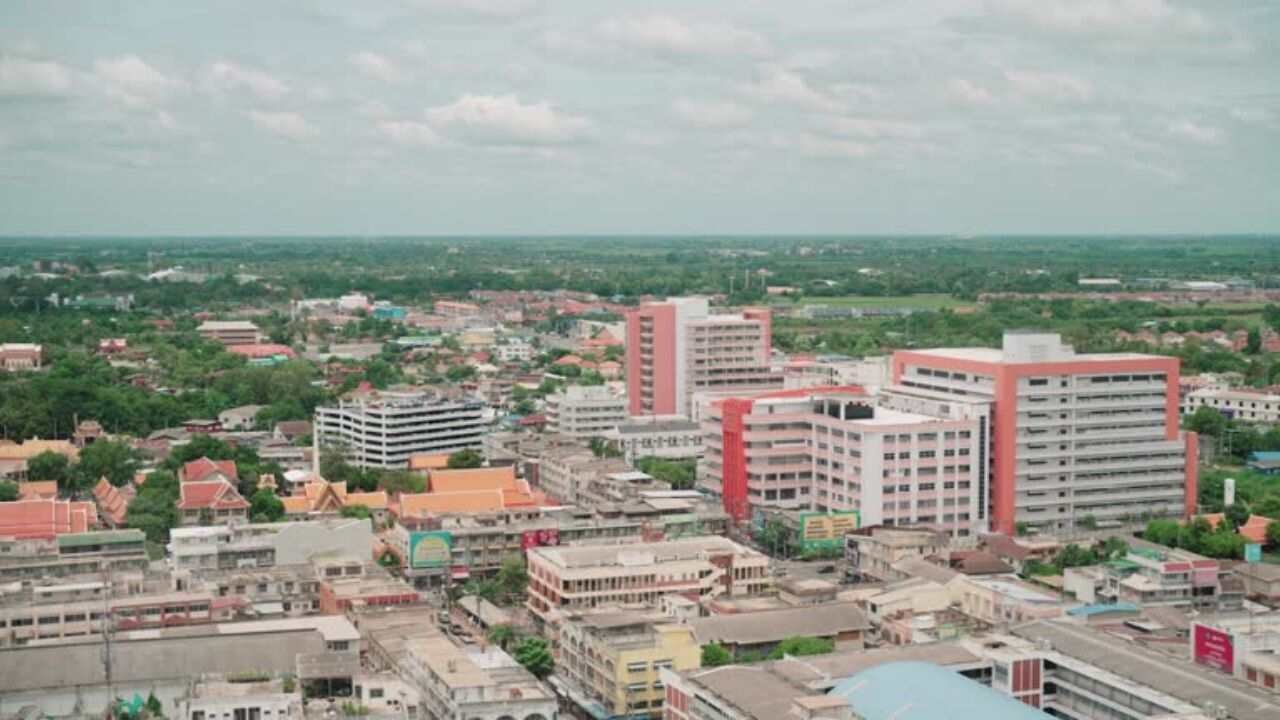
[1253, 553]
[539, 538]
[430, 549]
[820, 530]
[1214, 648]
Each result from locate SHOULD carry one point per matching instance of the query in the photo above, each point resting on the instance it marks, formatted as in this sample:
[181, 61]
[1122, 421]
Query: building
[319, 498]
[874, 553]
[386, 430]
[666, 438]
[1246, 646]
[14, 456]
[564, 471]
[611, 662]
[203, 502]
[1150, 576]
[472, 681]
[580, 578]
[18, 357]
[877, 694]
[843, 623]
[585, 411]
[824, 370]
[230, 332]
[678, 349]
[513, 350]
[213, 700]
[1073, 435]
[40, 559]
[261, 545]
[835, 450]
[47, 519]
[1243, 404]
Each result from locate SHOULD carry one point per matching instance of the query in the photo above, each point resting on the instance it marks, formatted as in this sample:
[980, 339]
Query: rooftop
[777, 625]
[878, 694]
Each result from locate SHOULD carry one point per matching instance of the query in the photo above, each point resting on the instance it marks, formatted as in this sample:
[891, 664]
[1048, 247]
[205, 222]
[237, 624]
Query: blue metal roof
[1264, 455]
[1090, 610]
[923, 691]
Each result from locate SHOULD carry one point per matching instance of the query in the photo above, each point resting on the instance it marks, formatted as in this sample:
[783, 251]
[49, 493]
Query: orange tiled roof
[46, 518]
[112, 503]
[319, 496]
[32, 448]
[438, 461]
[210, 495]
[491, 478]
[1254, 529]
[38, 490]
[201, 468]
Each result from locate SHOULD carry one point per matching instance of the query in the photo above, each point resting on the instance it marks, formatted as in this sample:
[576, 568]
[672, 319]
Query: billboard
[1253, 553]
[1214, 648]
[539, 538]
[820, 530]
[430, 549]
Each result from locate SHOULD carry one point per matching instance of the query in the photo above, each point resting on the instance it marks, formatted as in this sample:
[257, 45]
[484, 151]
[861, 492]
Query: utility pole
[106, 643]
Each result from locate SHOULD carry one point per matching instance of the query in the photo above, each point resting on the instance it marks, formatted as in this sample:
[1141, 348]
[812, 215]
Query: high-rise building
[837, 449]
[678, 349]
[1073, 435]
[385, 431]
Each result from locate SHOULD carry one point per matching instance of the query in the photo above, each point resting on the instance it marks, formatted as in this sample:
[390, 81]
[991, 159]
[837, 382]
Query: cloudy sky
[707, 116]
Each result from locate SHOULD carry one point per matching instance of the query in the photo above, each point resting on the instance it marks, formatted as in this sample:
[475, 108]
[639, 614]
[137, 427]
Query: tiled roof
[438, 461]
[45, 518]
[112, 503]
[38, 490]
[32, 448]
[324, 497]
[210, 495]
[1254, 529]
[492, 478]
[200, 469]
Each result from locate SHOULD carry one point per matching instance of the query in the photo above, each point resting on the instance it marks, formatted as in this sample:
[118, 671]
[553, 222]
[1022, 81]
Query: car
[826, 569]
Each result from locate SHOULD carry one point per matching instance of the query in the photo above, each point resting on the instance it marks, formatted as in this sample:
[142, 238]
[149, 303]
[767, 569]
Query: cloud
[775, 85]
[1054, 87]
[481, 9]
[670, 37]
[1101, 18]
[131, 81]
[875, 129]
[1196, 133]
[378, 67]
[289, 125]
[373, 109]
[504, 120]
[969, 92]
[408, 132]
[819, 146]
[20, 77]
[711, 113]
[228, 77]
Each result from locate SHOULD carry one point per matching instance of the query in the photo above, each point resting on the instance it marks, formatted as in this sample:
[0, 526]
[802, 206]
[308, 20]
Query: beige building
[474, 682]
[15, 357]
[230, 332]
[1241, 404]
[563, 472]
[873, 555]
[585, 411]
[581, 578]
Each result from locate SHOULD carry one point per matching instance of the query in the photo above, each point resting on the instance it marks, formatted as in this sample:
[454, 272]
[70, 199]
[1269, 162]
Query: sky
[337, 117]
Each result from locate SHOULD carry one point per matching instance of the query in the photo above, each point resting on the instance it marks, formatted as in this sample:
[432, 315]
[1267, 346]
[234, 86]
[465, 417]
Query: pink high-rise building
[1073, 435]
[677, 350]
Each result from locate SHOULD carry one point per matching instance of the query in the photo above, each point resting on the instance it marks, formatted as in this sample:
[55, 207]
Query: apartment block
[585, 411]
[581, 578]
[613, 660]
[834, 449]
[386, 430]
[39, 559]
[465, 682]
[667, 438]
[1073, 434]
[267, 544]
[678, 349]
[230, 332]
[563, 472]
[874, 553]
[1241, 404]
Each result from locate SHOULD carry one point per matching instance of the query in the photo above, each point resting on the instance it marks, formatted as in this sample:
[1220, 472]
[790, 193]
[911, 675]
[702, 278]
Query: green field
[923, 302]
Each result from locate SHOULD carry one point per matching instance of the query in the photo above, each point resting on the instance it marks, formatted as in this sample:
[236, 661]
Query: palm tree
[502, 635]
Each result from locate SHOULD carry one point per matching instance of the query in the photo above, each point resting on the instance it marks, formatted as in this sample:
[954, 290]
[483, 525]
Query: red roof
[210, 495]
[261, 350]
[45, 518]
[112, 504]
[1254, 529]
[203, 468]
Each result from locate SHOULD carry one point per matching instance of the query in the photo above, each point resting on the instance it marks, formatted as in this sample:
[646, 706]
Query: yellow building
[612, 660]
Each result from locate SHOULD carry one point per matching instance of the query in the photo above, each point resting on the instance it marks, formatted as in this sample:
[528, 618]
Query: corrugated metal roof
[884, 693]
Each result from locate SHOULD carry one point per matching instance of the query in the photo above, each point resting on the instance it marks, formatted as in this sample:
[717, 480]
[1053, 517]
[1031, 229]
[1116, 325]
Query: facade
[873, 554]
[230, 332]
[564, 472]
[31, 560]
[580, 578]
[677, 349]
[612, 661]
[386, 431]
[585, 411]
[17, 357]
[513, 350]
[267, 544]
[1240, 404]
[832, 449]
[666, 438]
[210, 501]
[1072, 435]
[1150, 577]
[474, 683]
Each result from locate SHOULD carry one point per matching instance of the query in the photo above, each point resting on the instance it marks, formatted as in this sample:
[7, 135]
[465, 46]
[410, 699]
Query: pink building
[20, 356]
[1073, 435]
[834, 449]
[677, 349]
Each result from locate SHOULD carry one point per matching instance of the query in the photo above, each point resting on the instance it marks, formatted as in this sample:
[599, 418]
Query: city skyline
[998, 117]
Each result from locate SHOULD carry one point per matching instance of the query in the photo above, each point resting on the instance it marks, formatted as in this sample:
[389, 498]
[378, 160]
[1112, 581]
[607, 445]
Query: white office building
[385, 431]
[585, 411]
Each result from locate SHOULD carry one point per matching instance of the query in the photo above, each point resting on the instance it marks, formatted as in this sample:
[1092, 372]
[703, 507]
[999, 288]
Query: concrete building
[677, 348]
[267, 544]
[666, 438]
[611, 661]
[843, 623]
[262, 700]
[1073, 434]
[386, 430]
[1150, 576]
[825, 370]
[230, 332]
[1241, 404]
[834, 449]
[564, 471]
[513, 350]
[873, 554]
[585, 411]
[474, 682]
[576, 579]
[17, 357]
[40, 559]
[1246, 646]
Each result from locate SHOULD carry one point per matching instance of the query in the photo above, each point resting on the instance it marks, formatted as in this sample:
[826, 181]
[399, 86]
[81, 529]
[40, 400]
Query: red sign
[1214, 648]
[539, 538]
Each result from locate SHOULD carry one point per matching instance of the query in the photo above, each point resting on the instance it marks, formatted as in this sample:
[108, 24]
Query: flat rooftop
[639, 555]
[996, 355]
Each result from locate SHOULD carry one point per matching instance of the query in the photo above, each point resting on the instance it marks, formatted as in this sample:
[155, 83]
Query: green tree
[681, 474]
[1207, 421]
[715, 655]
[50, 465]
[116, 461]
[401, 481]
[8, 492]
[1273, 533]
[535, 656]
[1162, 532]
[1021, 529]
[512, 578]
[463, 459]
[153, 706]
[801, 646]
[1236, 514]
[1253, 344]
[264, 506]
[459, 373]
[154, 511]
[1089, 522]
[502, 636]
[356, 511]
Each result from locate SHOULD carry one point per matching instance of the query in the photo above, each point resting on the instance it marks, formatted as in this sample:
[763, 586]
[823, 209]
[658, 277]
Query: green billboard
[823, 530]
[430, 549]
